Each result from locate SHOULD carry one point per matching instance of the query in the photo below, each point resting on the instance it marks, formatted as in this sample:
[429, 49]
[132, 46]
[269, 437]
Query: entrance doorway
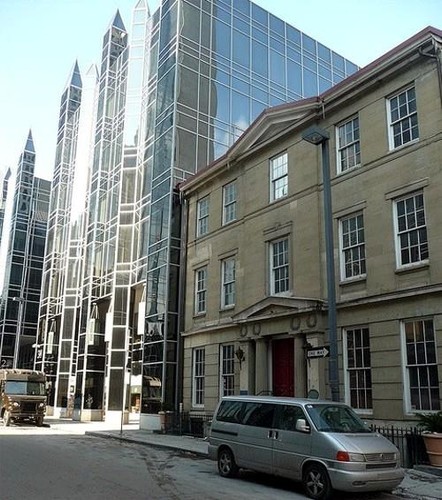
[283, 367]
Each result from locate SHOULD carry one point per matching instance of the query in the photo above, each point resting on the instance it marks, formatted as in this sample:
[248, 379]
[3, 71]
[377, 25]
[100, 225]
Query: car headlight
[15, 404]
[41, 405]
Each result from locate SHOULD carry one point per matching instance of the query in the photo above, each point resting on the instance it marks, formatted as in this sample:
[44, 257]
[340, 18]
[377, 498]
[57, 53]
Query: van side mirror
[302, 426]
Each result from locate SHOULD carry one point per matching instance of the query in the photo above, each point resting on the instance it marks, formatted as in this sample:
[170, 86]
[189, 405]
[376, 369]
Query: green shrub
[430, 422]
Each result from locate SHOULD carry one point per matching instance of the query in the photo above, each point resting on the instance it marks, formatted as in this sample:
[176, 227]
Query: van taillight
[342, 456]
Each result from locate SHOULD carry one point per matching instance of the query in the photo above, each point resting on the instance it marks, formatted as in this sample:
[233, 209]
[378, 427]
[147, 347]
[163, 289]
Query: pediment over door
[278, 307]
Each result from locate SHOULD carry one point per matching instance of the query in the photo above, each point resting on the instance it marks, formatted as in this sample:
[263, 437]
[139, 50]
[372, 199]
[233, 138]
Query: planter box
[150, 422]
[433, 444]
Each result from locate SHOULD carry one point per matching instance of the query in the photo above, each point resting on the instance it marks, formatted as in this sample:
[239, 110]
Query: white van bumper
[373, 480]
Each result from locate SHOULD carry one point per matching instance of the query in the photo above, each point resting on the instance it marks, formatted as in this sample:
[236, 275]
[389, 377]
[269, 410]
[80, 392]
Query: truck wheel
[39, 421]
[316, 482]
[6, 418]
[226, 463]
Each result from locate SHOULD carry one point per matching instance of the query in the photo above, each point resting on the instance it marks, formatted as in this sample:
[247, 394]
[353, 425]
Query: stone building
[256, 301]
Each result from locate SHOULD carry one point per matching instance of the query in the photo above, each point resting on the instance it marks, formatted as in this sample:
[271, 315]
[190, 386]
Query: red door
[283, 367]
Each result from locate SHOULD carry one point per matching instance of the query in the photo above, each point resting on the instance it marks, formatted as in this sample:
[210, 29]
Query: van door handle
[276, 435]
[270, 435]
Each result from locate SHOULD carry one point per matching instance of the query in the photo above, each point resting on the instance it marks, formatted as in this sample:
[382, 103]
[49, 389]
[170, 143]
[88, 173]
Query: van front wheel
[316, 482]
[226, 463]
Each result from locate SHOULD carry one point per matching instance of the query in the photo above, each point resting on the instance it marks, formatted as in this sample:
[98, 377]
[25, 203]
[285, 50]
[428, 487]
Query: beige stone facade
[256, 283]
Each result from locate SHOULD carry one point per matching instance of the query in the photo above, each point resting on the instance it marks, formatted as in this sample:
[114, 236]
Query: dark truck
[22, 395]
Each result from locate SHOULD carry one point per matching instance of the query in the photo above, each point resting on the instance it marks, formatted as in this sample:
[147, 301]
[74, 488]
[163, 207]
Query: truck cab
[22, 396]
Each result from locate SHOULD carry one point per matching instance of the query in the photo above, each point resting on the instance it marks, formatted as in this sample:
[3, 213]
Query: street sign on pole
[318, 352]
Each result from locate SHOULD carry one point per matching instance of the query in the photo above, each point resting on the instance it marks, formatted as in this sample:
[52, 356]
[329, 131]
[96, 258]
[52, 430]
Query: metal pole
[20, 301]
[331, 290]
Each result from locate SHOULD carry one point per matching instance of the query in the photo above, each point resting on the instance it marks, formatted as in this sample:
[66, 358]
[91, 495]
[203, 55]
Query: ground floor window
[227, 366]
[421, 374]
[198, 377]
[358, 368]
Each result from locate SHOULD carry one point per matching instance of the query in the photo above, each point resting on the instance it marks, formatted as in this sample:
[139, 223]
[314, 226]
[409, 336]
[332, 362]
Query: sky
[42, 39]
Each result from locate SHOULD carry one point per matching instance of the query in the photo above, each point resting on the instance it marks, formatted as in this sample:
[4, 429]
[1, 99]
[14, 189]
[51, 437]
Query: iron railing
[410, 442]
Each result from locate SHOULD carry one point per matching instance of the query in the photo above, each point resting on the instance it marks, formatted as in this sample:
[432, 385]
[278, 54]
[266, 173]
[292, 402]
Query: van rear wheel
[316, 482]
[226, 463]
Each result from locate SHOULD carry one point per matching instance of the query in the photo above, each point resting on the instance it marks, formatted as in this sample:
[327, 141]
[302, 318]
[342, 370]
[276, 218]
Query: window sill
[227, 308]
[363, 413]
[413, 267]
[351, 281]
[199, 315]
[277, 200]
[349, 170]
[402, 146]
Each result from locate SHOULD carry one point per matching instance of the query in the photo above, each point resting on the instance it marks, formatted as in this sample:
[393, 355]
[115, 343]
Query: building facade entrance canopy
[266, 317]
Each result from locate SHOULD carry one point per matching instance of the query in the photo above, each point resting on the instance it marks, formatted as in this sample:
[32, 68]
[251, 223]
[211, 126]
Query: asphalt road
[45, 464]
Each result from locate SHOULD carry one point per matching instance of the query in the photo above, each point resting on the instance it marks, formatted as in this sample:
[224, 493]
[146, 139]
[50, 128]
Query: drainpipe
[438, 58]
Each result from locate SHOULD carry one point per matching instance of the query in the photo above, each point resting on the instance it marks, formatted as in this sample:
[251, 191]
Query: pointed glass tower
[24, 263]
[57, 342]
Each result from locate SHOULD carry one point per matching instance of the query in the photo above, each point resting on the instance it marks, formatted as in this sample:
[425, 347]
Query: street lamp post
[18, 330]
[317, 136]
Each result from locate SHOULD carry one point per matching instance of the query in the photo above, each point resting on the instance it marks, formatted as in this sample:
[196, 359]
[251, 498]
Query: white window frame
[422, 334]
[359, 367]
[352, 246]
[348, 145]
[228, 282]
[402, 118]
[198, 376]
[279, 177]
[417, 232]
[201, 290]
[277, 267]
[202, 224]
[229, 203]
[227, 370]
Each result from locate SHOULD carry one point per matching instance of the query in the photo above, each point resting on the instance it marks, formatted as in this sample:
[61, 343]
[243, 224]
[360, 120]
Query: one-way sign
[318, 352]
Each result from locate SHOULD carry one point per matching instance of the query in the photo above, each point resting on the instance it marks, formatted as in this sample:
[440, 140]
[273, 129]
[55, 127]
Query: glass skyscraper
[23, 246]
[171, 97]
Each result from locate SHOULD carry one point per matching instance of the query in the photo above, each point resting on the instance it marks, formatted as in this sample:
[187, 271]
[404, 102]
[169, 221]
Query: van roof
[280, 400]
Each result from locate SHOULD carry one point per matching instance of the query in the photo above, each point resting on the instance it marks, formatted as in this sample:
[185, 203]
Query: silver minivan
[321, 443]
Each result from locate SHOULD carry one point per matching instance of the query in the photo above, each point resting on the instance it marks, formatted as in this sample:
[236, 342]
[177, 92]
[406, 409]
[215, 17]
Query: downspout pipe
[437, 56]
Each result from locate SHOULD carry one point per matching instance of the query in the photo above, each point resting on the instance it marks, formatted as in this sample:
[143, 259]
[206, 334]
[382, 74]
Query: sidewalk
[422, 483]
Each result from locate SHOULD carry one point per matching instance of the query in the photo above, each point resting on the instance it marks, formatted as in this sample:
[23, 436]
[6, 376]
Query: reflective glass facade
[24, 264]
[214, 67]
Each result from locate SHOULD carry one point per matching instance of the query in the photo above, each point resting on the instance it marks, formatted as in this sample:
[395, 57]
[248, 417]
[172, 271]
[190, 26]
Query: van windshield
[335, 418]
[25, 388]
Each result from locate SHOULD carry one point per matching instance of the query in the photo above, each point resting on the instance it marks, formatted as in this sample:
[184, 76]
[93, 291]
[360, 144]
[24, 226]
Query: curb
[145, 443]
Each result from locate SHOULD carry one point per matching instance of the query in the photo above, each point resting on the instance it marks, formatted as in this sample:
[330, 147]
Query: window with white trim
[358, 368]
[227, 366]
[279, 266]
[349, 147]
[229, 203]
[200, 290]
[352, 247]
[411, 230]
[278, 177]
[421, 374]
[198, 371]
[402, 118]
[228, 277]
[202, 225]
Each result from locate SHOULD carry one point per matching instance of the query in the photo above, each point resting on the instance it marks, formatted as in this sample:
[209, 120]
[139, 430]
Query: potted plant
[431, 423]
